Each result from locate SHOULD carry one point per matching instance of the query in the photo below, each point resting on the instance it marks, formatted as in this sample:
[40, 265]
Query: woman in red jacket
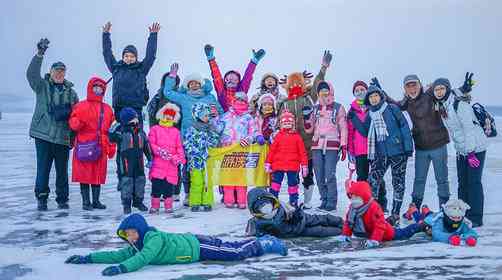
[365, 219]
[287, 155]
[90, 120]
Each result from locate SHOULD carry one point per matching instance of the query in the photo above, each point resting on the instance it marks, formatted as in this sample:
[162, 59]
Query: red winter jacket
[287, 152]
[375, 224]
[84, 122]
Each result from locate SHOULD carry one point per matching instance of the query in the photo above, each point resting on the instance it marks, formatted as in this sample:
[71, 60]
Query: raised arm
[216, 74]
[33, 73]
[248, 74]
[326, 61]
[107, 47]
[151, 47]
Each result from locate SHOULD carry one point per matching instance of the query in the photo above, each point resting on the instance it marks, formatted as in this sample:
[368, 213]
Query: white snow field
[34, 245]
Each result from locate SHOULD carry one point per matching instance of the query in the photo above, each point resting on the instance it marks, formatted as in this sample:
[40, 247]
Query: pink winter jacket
[357, 143]
[329, 133]
[166, 139]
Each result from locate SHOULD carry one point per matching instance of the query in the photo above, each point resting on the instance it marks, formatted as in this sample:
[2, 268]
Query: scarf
[378, 130]
[355, 219]
[166, 123]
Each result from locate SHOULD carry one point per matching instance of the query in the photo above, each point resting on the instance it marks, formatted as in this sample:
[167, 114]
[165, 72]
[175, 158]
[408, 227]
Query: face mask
[360, 95]
[356, 202]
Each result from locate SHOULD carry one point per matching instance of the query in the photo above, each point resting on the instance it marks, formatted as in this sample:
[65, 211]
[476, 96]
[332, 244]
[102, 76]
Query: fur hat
[169, 108]
[193, 77]
[455, 208]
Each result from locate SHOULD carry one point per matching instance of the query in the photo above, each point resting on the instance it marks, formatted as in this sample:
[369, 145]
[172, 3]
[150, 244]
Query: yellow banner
[238, 166]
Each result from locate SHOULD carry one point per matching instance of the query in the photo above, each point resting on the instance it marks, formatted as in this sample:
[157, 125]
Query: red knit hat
[359, 83]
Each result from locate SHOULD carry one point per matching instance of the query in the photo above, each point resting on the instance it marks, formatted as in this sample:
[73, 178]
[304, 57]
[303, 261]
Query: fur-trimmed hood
[171, 106]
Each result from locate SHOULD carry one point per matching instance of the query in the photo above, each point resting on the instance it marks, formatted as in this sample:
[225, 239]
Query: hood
[167, 106]
[268, 75]
[331, 96]
[98, 82]
[137, 222]
[193, 77]
[259, 196]
[206, 86]
[443, 82]
[455, 208]
[265, 97]
[199, 110]
[372, 89]
[361, 189]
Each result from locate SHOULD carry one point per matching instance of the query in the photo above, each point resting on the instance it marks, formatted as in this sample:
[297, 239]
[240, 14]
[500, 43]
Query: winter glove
[209, 50]
[471, 241]
[112, 270]
[76, 259]
[375, 82]
[42, 46]
[268, 168]
[257, 55]
[454, 240]
[369, 243]
[342, 238]
[468, 83]
[260, 139]
[244, 143]
[326, 58]
[473, 161]
[343, 150]
[173, 72]
[305, 170]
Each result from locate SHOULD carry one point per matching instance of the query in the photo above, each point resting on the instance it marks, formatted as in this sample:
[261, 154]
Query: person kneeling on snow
[365, 219]
[151, 246]
[270, 216]
[451, 226]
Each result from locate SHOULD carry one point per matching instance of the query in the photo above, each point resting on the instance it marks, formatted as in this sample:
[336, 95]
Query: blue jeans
[470, 188]
[215, 249]
[423, 158]
[47, 153]
[325, 174]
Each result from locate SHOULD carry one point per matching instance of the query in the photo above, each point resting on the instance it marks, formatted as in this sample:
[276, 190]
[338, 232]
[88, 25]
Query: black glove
[42, 46]
[76, 259]
[307, 111]
[375, 82]
[468, 83]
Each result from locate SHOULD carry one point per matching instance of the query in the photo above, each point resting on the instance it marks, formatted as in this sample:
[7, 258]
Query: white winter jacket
[463, 127]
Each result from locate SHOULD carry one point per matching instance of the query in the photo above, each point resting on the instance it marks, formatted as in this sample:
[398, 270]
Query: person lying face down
[148, 245]
[270, 216]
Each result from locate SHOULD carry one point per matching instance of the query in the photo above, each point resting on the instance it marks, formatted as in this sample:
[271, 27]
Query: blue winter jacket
[129, 81]
[186, 100]
[439, 232]
[399, 141]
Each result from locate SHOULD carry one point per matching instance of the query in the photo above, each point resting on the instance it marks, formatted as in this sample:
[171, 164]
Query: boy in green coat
[150, 246]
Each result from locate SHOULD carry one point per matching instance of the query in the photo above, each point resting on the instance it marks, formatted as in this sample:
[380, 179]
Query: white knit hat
[455, 208]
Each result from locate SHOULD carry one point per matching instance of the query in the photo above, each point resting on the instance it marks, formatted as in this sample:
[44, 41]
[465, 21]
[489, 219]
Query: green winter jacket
[296, 107]
[43, 124]
[159, 248]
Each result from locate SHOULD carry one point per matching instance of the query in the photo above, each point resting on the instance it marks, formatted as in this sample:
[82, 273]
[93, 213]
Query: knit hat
[130, 49]
[193, 78]
[442, 82]
[287, 117]
[322, 85]
[127, 114]
[412, 78]
[455, 208]
[359, 83]
[373, 89]
[169, 109]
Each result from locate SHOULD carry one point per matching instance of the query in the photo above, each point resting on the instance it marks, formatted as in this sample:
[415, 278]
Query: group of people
[307, 130]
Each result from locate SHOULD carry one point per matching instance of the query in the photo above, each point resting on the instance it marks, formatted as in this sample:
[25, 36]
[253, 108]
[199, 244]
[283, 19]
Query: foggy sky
[387, 39]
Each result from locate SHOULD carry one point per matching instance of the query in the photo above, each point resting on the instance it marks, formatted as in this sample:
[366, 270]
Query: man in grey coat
[55, 98]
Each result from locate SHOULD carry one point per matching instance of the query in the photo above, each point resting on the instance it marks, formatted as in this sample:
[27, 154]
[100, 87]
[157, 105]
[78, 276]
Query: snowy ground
[34, 245]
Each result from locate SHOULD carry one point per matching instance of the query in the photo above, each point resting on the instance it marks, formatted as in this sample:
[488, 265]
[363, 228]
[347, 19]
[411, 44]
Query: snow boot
[126, 203]
[271, 244]
[168, 205]
[207, 208]
[307, 196]
[96, 204]
[155, 205]
[42, 204]
[138, 204]
[63, 206]
[408, 215]
[196, 208]
[86, 200]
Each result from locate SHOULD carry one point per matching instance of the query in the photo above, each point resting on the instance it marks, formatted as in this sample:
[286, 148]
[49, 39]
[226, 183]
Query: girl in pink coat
[329, 143]
[166, 145]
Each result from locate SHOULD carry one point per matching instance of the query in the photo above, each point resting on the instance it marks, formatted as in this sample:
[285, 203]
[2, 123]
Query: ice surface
[34, 245]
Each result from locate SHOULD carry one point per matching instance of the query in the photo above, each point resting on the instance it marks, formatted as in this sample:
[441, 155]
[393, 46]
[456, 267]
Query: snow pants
[215, 249]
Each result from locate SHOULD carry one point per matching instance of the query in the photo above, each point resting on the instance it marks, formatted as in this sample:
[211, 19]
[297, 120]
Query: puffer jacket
[462, 124]
[234, 127]
[330, 125]
[439, 232]
[357, 142]
[287, 152]
[167, 139]
[375, 225]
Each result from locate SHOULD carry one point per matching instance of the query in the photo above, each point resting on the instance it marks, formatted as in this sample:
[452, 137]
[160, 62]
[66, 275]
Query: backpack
[336, 108]
[483, 118]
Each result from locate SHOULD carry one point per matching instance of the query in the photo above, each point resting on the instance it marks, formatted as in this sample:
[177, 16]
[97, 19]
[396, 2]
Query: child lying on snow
[365, 219]
[270, 216]
[150, 246]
